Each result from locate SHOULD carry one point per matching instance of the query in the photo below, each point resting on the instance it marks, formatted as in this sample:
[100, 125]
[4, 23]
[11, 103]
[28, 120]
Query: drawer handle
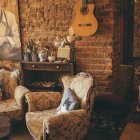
[33, 66]
[57, 67]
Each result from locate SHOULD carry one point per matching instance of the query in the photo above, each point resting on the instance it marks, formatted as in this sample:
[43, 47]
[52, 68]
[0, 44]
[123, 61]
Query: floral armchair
[44, 123]
[11, 103]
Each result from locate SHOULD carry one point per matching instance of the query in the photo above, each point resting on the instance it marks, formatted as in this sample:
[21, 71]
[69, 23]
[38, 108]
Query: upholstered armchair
[12, 95]
[44, 122]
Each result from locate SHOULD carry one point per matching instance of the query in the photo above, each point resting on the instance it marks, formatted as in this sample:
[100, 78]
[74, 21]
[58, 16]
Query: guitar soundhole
[84, 10]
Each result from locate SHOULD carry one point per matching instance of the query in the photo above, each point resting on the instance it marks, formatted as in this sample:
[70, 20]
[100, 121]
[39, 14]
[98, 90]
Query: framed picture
[10, 43]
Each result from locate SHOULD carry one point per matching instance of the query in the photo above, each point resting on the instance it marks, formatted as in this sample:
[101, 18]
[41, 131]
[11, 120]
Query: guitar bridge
[85, 25]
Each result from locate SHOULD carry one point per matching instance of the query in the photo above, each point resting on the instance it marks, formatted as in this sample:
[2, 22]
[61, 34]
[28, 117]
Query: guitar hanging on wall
[84, 23]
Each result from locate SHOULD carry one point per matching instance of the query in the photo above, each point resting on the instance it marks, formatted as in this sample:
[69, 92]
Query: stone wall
[98, 54]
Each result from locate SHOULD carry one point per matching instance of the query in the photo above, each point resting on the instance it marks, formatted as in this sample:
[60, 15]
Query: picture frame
[63, 53]
[10, 41]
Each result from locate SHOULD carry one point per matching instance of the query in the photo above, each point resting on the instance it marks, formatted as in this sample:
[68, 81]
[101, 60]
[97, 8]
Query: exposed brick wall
[136, 49]
[97, 54]
[45, 19]
[116, 47]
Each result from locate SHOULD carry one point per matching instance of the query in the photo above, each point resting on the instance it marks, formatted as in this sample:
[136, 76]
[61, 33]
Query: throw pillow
[69, 102]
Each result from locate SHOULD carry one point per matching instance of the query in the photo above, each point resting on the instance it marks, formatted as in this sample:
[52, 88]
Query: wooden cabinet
[44, 75]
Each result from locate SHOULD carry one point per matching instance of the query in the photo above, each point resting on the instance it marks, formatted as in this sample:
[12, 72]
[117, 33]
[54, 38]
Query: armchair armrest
[19, 93]
[38, 101]
[73, 124]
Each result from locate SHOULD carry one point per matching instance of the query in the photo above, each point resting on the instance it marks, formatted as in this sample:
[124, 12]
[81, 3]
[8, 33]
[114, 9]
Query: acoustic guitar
[84, 23]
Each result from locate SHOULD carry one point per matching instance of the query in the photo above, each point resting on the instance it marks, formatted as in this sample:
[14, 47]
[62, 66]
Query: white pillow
[69, 102]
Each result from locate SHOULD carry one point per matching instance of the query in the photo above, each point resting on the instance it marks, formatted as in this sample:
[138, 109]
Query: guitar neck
[90, 1]
[84, 3]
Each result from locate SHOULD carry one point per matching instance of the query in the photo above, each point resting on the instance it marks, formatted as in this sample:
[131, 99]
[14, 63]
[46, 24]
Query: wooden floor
[21, 136]
[20, 132]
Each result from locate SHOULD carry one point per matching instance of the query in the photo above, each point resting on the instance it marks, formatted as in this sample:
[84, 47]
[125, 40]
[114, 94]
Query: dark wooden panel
[42, 72]
[58, 67]
[34, 66]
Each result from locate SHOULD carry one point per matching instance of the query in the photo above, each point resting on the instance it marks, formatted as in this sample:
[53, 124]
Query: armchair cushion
[69, 102]
[38, 101]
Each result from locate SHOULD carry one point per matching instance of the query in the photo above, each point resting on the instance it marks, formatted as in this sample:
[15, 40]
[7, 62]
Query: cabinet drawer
[34, 66]
[58, 67]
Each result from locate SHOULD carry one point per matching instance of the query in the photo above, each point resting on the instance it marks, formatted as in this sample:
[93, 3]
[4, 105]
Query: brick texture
[98, 54]
[136, 49]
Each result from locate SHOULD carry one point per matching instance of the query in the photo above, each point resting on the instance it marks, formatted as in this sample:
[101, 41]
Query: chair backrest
[9, 82]
[80, 84]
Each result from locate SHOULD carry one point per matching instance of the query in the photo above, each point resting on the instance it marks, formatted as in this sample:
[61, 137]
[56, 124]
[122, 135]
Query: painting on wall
[10, 43]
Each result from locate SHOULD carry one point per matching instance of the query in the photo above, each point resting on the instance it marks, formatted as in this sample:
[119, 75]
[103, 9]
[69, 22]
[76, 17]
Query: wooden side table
[37, 76]
[5, 127]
